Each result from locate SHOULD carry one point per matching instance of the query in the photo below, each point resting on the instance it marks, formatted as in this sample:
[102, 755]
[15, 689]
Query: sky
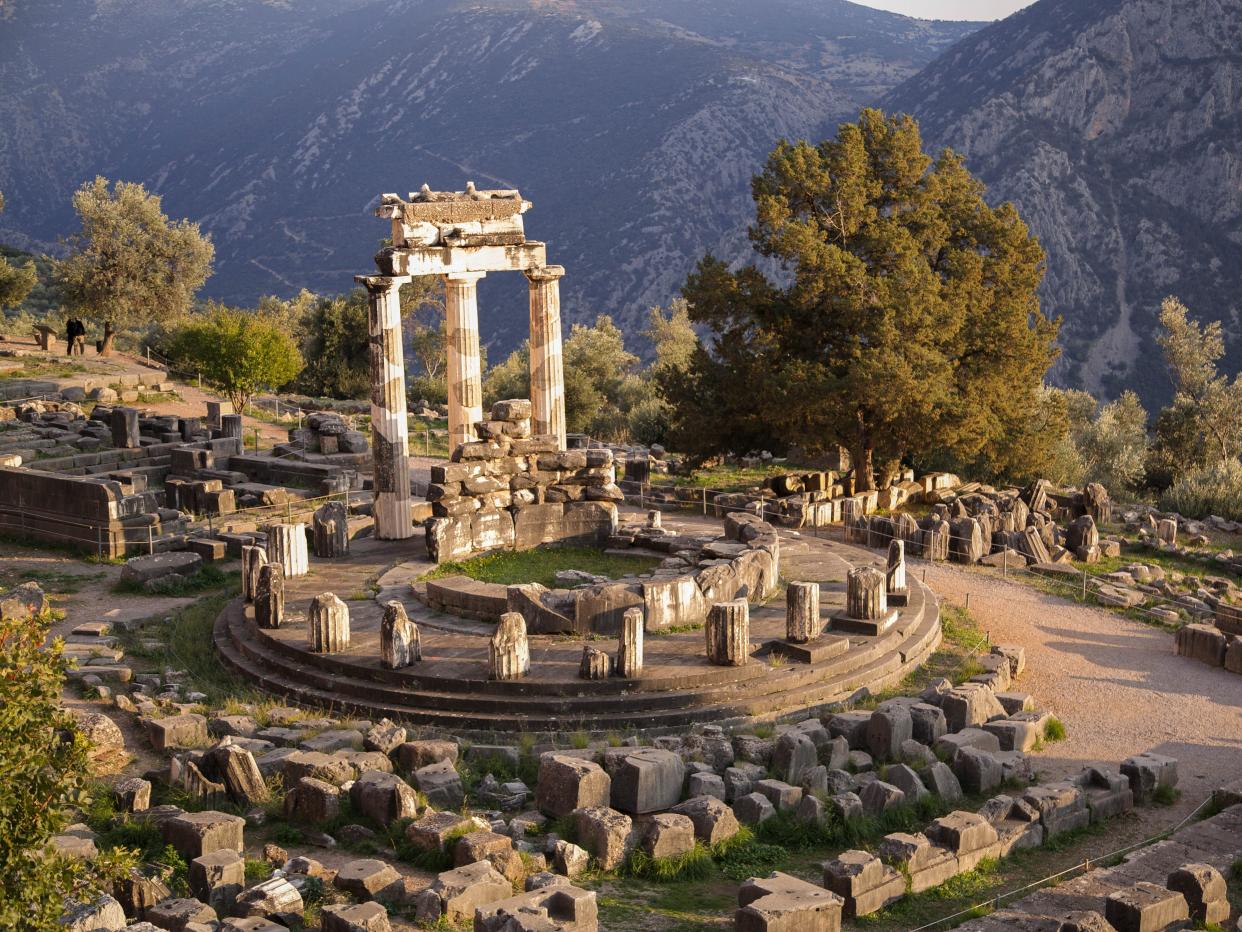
[950, 9]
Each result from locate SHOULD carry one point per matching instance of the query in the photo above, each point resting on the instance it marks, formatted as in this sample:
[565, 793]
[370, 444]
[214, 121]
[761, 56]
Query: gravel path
[1115, 683]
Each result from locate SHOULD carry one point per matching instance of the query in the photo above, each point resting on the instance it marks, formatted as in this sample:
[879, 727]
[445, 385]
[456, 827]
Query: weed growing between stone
[209, 578]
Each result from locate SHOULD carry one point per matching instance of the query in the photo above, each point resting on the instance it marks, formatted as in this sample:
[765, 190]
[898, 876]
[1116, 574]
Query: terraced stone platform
[449, 689]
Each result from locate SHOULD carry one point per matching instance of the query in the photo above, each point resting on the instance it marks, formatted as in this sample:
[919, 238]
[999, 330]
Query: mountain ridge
[634, 134]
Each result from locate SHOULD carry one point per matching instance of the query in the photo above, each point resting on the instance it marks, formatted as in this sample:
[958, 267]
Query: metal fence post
[1084, 584]
[150, 539]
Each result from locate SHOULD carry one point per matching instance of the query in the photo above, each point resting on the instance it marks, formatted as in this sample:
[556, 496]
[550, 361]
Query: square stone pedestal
[824, 647]
[844, 624]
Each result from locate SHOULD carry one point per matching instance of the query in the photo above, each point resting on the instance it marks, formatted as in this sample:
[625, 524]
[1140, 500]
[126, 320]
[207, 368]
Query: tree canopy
[16, 280]
[906, 323]
[242, 352]
[1203, 424]
[130, 264]
[42, 775]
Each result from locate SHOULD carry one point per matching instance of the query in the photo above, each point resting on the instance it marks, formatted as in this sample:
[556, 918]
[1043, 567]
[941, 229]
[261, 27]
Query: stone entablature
[460, 236]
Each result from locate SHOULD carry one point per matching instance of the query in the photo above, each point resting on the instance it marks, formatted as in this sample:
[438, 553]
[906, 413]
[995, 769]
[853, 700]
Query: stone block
[878, 796]
[177, 913]
[978, 771]
[647, 780]
[782, 903]
[970, 704]
[925, 864]
[273, 898]
[753, 808]
[605, 833]
[178, 731]
[567, 783]
[795, 753]
[355, 917]
[312, 801]
[887, 728]
[713, 821]
[194, 834]
[864, 882]
[366, 879]
[1145, 907]
[706, 784]
[217, 878]
[1205, 891]
[1205, 643]
[383, 797]
[1061, 807]
[1148, 772]
[667, 835]
[940, 779]
[782, 795]
[550, 908]
[413, 755]
[441, 785]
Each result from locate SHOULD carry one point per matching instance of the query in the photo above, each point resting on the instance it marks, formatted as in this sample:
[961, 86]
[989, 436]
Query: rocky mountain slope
[1114, 125]
[633, 125]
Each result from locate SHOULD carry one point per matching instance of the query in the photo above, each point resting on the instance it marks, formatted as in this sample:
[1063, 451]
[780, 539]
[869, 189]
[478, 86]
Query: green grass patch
[185, 643]
[730, 477]
[50, 581]
[1054, 730]
[542, 564]
[695, 864]
[207, 579]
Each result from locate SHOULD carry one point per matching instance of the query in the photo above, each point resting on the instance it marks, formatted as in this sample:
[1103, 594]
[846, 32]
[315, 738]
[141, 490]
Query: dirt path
[1115, 683]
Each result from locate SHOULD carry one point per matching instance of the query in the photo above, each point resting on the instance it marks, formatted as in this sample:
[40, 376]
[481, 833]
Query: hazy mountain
[1114, 126]
[633, 125]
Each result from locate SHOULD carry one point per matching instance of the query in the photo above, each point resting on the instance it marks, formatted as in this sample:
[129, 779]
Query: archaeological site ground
[540, 682]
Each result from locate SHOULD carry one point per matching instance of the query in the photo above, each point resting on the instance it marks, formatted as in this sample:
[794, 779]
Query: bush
[1215, 489]
[42, 774]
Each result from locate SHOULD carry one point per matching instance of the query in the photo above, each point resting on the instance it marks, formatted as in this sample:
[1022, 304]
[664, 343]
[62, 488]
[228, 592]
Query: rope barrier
[991, 903]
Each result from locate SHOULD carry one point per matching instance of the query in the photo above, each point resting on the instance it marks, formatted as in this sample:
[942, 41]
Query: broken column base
[872, 627]
[820, 649]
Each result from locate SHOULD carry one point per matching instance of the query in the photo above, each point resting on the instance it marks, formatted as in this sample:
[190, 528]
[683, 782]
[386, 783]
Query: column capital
[546, 273]
[379, 284]
[464, 278]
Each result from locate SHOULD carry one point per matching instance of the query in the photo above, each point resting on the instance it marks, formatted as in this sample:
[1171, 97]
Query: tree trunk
[108, 338]
[864, 473]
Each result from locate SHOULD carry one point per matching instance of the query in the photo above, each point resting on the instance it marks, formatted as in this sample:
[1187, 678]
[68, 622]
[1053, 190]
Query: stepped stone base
[678, 686]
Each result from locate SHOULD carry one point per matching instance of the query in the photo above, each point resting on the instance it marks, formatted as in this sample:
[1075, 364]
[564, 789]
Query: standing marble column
[390, 445]
[547, 371]
[465, 373]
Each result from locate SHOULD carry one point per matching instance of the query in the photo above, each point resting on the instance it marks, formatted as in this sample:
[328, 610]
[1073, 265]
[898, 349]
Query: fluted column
[547, 372]
[390, 431]
[465, 373]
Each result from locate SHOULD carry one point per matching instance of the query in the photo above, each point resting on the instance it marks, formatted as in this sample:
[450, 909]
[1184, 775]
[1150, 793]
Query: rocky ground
[1114, 682]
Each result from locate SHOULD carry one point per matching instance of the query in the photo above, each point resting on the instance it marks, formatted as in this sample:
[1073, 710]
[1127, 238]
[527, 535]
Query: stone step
[780, 690]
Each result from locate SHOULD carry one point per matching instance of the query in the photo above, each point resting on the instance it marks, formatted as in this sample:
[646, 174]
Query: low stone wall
[743, 563]
[820, 499]
[93, 515]
[512, 491]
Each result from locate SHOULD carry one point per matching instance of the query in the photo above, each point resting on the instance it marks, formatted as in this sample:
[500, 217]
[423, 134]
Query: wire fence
[992, 903]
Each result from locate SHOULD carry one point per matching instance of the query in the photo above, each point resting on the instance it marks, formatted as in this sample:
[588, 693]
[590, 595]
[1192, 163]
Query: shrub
[1054, 730]
[42, 773]
[1215, 489]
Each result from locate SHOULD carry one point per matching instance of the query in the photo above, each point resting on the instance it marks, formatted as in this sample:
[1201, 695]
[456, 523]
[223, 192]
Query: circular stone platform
[449, 689]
